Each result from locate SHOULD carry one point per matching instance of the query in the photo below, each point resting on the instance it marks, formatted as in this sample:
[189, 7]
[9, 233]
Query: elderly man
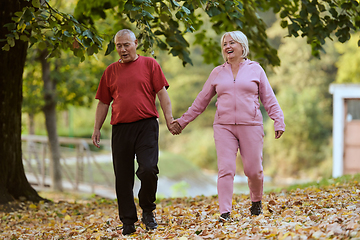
[131, 84]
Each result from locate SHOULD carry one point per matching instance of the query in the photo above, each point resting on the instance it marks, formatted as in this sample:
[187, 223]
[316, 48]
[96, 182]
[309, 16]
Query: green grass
[176, 167]
[325, 182]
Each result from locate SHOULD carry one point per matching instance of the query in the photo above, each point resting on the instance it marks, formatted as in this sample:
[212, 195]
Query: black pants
[141, 139]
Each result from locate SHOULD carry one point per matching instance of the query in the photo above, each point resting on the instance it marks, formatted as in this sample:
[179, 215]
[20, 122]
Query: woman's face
[231, 49]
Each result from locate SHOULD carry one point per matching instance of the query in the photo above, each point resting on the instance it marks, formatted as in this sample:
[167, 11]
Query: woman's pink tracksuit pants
[249, 140]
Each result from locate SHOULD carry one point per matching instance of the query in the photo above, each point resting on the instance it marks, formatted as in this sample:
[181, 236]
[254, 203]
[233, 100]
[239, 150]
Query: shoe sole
[150, 229]
[126, 234]
[223, 220]
[256, 214]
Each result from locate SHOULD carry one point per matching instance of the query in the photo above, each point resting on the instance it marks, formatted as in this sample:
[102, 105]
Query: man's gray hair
[123, 32]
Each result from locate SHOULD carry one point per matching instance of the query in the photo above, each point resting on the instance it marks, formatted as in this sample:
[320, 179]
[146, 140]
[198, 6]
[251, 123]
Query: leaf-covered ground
[331, 212]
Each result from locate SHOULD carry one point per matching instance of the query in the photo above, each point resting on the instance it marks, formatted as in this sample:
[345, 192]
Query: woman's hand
[278, 134]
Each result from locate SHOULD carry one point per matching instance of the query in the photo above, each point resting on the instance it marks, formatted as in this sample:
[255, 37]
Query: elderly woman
[238, 124]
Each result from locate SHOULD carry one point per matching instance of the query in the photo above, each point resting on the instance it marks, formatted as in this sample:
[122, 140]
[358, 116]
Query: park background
[320, 209]
[301, 84]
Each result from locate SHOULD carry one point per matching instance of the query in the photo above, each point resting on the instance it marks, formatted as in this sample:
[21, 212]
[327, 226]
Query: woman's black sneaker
[225, 217]
[128, 229]
[256, 208]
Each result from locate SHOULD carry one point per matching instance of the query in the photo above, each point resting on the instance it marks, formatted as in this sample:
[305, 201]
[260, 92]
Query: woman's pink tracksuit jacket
[238, 124]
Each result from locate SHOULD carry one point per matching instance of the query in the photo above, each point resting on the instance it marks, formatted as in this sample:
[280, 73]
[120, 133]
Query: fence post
[43, 166]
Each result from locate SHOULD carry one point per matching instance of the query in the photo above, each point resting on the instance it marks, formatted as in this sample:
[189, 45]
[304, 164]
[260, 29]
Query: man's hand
[174, 127]
[96, 138]
[278, 134]
[165, 104]
[100, 115]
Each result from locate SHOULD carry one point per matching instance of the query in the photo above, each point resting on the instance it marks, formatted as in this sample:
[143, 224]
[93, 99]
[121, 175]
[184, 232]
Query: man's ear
[136, 42]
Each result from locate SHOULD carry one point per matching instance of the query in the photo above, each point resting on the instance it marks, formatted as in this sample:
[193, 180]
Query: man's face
[126, 48]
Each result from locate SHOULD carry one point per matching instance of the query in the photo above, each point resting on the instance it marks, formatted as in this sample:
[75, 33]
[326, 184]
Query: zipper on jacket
[235, 102]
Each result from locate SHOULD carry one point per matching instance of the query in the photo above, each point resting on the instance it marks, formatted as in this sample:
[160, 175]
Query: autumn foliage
[331, 212]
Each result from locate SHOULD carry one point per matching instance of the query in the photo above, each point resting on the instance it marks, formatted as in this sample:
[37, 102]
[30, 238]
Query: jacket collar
[247, 61]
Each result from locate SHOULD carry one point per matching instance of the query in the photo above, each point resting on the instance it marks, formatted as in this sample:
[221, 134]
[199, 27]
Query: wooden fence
[83, 161]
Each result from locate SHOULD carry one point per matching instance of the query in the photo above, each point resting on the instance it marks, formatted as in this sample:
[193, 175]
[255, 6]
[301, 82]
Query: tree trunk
[13, 182]
[50, 121]
[31, 123]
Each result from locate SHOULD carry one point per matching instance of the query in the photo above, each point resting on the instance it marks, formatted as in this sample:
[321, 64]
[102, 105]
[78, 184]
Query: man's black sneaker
[256, 208]
[225, 217]
[149, 220]
[128, 229]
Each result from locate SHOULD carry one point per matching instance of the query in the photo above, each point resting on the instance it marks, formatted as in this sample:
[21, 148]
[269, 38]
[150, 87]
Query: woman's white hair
[239, 37]
[123, 32]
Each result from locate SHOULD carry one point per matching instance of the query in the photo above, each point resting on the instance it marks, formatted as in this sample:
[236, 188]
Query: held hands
[278, 134]
[174, 127]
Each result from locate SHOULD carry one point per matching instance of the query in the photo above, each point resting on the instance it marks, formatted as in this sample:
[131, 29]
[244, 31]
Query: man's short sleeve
[103, 93]
[158, 77]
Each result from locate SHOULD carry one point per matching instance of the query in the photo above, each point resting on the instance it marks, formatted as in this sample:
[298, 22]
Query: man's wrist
[169, 118]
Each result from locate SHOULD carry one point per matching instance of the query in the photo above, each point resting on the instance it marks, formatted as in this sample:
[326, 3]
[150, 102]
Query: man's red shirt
[132, 89]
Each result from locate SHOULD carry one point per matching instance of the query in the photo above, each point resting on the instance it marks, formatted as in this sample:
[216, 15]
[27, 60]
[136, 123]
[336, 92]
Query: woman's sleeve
[268, 99]
[200, 103]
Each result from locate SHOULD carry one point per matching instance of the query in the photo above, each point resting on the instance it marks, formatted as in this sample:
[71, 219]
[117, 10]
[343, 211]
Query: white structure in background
[346, 128]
